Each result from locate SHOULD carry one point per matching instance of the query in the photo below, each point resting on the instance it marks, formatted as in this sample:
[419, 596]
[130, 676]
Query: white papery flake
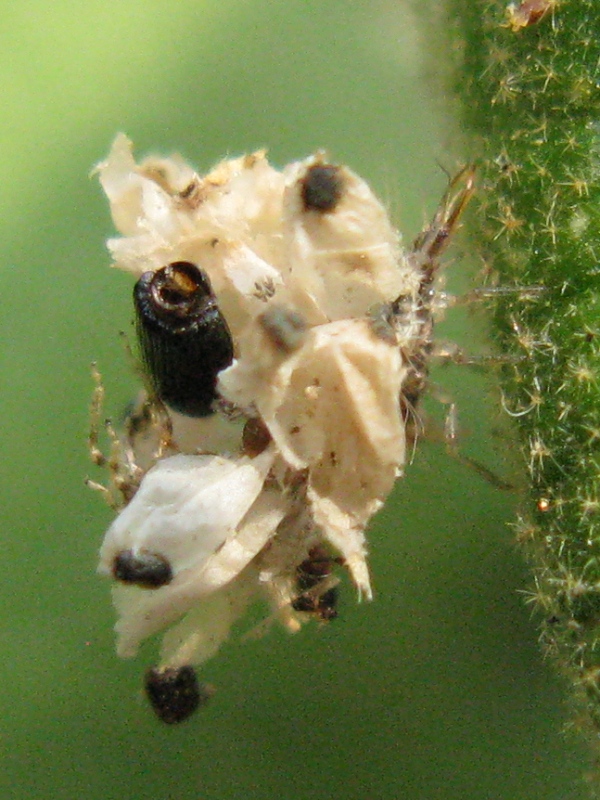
[330, 321]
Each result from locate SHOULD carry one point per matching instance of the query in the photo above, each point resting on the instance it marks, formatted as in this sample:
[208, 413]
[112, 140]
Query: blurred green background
[436, 689]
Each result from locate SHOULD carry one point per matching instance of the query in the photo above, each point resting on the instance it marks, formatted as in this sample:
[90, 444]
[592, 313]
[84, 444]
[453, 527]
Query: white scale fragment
[186, 508]
[331, 322]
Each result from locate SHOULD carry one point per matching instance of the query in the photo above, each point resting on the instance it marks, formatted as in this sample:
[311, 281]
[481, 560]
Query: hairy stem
[526, 80]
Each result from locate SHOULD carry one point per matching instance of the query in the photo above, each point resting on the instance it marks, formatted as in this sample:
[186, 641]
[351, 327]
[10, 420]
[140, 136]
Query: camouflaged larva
[330, 327]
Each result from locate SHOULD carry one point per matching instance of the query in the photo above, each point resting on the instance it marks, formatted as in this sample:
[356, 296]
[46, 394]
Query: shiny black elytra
[184, 339]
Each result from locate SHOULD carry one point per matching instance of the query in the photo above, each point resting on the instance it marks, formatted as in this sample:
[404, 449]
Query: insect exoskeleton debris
[285, 336]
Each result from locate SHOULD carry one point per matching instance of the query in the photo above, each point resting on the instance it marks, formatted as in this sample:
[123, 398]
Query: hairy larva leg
[413, 314]
[432, 241]
[427, 249]
[148, 431]
[452, 439]
[124, 475]
[104, 491]
[97, 456]
[447, 353]
[493, 292]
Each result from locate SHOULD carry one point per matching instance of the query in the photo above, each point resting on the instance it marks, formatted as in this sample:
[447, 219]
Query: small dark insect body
[311, 574]
[175, 693]
[184, 339]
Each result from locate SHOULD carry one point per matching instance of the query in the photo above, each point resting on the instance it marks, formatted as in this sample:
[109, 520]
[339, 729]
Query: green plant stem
[529, 107]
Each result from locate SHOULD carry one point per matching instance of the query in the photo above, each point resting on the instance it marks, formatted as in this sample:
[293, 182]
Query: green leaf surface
[527, 80]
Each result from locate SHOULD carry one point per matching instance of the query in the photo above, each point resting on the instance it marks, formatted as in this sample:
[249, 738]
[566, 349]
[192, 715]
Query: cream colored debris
[304, 287]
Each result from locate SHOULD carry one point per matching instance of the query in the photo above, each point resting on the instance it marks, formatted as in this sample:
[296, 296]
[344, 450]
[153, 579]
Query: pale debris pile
[326, 315]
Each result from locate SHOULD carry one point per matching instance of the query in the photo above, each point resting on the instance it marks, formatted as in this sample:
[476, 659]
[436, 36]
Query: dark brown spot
[285, 328]
[321, 188]
[255, 437]
[143, 569]
[174, 693]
